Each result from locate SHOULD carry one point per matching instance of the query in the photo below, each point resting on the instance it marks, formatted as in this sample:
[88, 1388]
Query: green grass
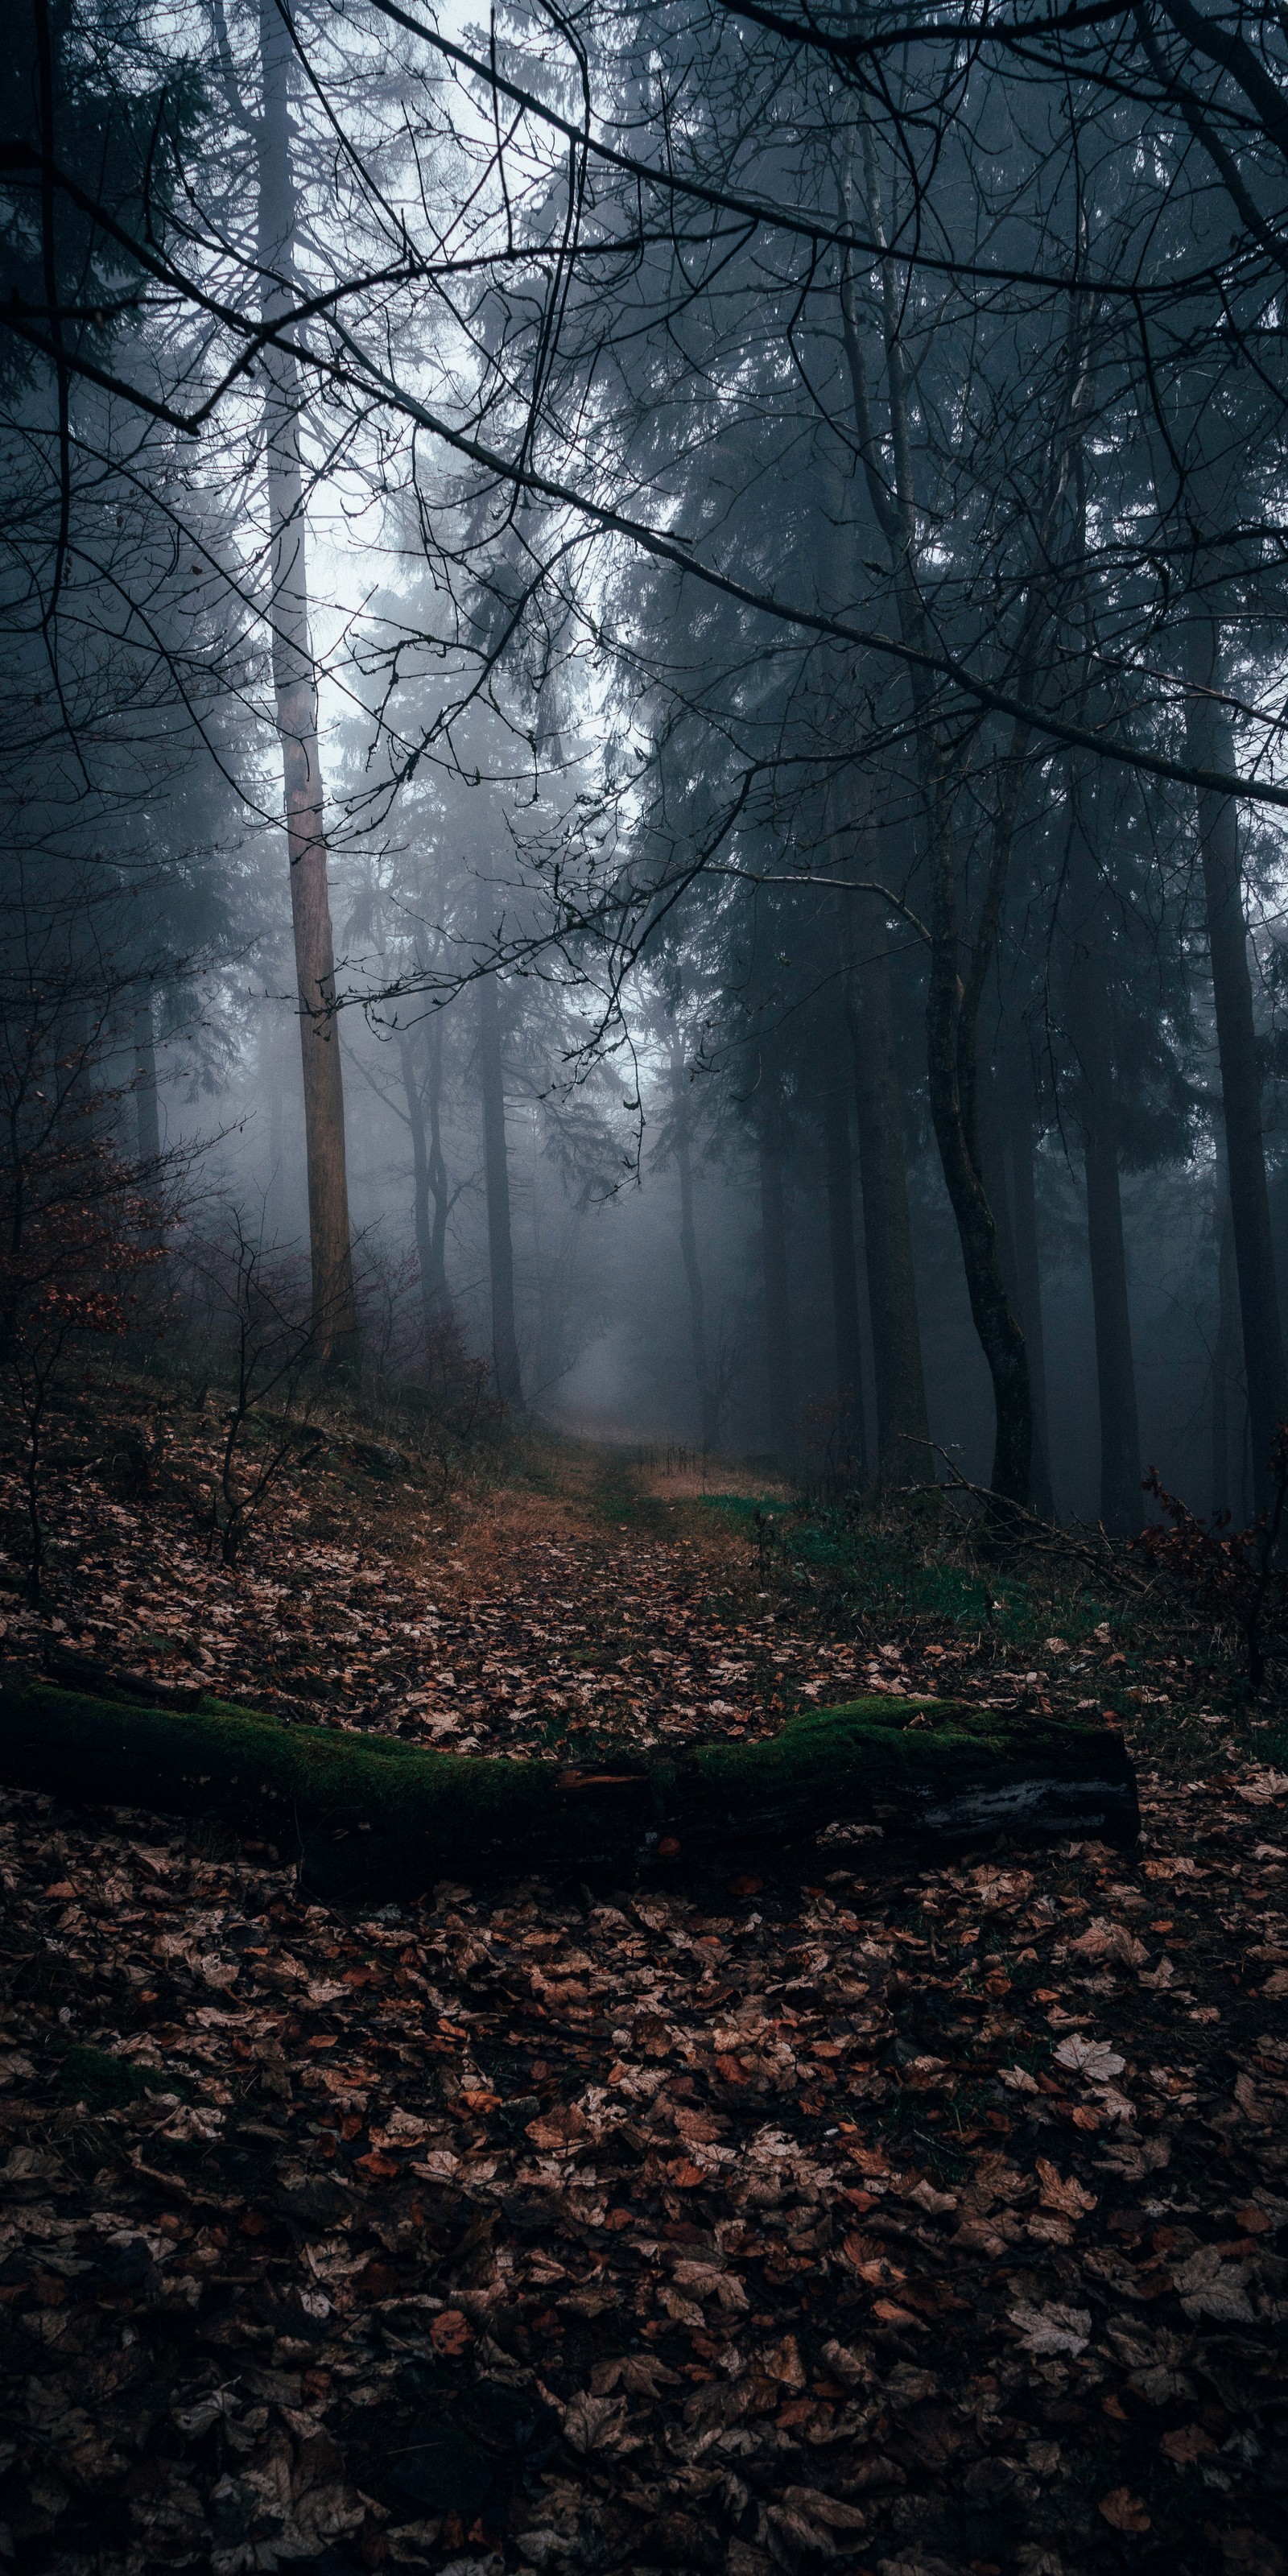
[909, 1575]
[102, 2082]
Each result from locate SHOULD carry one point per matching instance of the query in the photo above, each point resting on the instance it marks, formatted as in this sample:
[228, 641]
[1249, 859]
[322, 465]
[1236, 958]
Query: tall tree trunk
[773, 1249]
[951, 1004]
[903, 1430]
[708, 1397]
[147, 1127]
[1228, 1401]
[496, 1169]
[1120, 1503]
[1211, 743]
[335, 1317]
[851, 1427]
[429, 1175]
[1005, 1123]
[1091, 1030]
[1018, 1128]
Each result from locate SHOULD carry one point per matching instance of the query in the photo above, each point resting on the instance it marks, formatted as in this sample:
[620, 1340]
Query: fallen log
[372, 1810]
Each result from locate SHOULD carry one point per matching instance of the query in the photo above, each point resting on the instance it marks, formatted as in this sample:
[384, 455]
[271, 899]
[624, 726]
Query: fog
[642, 738]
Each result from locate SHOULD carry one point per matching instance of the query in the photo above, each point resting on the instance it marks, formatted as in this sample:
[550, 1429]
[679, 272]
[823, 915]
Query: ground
[920, 2220]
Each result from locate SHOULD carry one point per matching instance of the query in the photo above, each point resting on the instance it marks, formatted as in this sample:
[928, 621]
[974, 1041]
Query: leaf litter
[906, 2224]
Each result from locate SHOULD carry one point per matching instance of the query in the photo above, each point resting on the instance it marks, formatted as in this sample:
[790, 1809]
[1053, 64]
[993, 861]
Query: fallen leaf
[1123, 2511]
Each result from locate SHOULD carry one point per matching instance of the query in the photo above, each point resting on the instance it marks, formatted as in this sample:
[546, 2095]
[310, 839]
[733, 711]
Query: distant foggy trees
[740, 554]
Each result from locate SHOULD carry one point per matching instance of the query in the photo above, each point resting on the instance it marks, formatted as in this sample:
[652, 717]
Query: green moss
[101, 2082]
[426, 1810]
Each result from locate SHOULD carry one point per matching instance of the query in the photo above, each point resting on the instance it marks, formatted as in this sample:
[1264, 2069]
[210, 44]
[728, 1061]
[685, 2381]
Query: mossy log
[373, 1810]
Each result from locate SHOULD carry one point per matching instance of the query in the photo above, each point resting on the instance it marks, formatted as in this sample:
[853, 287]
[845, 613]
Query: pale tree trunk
[708, 1397]
[1212, 747]
[773, 1248]
[496, 1173]
[335, 1320]
[851, 1427]
[903, 1430]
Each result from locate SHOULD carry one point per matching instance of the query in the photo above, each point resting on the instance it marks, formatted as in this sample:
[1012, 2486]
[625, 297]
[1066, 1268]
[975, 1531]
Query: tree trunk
[1228, 1401]
[335, 1320]
[708, 1397]
[146, 1115]
[1019, 1136]
[773, 1246]
[903, 1430]
[1005, 1122]
[851, 1428]
[951, 1004]
[1091, 1031]
[1211, 743]
[496, 1168]
[429, 1175]
[1121, 1508]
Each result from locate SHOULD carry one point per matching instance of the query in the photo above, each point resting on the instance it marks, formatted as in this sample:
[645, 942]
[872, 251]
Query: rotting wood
[370, 1810]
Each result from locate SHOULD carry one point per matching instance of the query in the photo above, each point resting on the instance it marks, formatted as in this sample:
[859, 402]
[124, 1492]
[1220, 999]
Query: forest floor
[917, 2221]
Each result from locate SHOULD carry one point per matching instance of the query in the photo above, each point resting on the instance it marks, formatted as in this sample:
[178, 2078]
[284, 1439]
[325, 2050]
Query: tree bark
[1121, 1508]
[430, 1194]
[496, 1168]
[1227, 1396]
[851, 1427]
[1019, 1136]
[903, 1430]
[773, 1246]
[951, 1003]
[335, 1320]
[708, 1396]
[147, 1127]
[1091, 1031]
[1211, 743]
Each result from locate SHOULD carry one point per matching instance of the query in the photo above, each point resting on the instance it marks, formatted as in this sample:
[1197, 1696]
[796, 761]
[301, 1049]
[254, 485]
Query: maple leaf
[1052, 2328]
[1093, 2059]
[1068, 2196]
[1186, 2444]
[1123, 2511]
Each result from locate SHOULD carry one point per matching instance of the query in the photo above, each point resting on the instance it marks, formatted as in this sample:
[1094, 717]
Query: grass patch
[916, 1572]
[102, 2082]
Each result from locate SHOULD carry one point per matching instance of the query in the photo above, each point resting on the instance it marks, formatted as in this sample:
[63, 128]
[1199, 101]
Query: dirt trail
[596, 1602]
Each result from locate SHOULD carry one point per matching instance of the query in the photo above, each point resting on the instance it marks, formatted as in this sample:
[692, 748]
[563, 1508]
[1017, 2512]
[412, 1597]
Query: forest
[643, 1243]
